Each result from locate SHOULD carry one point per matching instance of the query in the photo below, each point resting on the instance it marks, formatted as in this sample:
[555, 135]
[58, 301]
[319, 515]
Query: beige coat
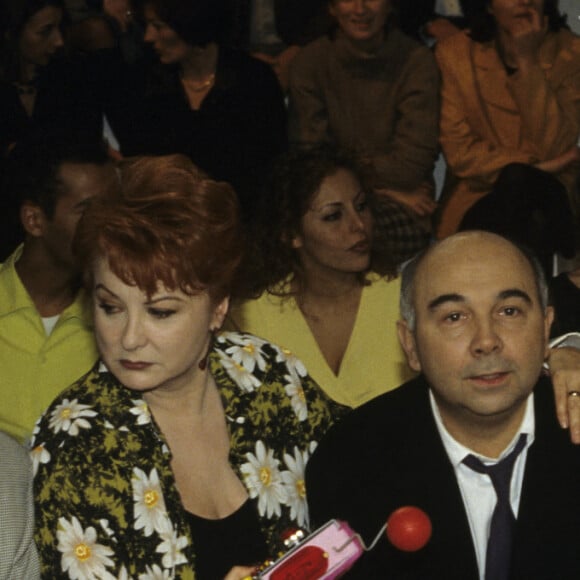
[490, 119]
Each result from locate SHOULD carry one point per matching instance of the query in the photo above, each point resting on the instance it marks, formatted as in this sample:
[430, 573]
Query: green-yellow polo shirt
[34, 367]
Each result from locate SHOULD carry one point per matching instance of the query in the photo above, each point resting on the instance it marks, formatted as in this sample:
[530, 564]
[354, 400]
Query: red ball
[409, 528]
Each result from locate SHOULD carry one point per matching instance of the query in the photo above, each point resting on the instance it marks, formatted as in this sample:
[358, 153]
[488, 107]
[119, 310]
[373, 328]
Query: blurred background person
[368, 88]
[511, 94]
[219, 106]
[39, 87]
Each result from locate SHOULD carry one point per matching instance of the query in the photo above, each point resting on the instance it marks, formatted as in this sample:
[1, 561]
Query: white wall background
[572, 9]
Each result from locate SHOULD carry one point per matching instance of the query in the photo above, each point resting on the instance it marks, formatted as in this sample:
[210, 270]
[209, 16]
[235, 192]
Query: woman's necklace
[197, 86]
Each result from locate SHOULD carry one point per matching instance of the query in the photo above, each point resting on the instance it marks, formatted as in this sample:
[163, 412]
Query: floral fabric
[106, 502]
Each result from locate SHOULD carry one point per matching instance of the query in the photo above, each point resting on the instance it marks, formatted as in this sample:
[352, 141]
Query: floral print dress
[106, 502]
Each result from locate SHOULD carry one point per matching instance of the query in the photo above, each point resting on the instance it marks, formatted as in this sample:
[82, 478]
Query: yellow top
[373, 362]
[34, 367]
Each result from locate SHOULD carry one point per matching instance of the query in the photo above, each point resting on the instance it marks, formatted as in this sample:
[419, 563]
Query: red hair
[165, 222]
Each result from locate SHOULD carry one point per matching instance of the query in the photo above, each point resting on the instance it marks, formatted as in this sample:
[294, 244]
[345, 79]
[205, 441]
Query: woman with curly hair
[181, 454]
[319, 287]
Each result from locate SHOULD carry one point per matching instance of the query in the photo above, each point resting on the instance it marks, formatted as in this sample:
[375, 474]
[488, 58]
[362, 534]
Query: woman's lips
[362, 247]
[134, 365]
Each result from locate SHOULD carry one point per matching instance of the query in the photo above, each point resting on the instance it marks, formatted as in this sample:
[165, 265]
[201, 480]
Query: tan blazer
[490, 119]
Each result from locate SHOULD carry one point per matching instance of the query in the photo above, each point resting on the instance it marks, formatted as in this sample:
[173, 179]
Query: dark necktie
[499, 545]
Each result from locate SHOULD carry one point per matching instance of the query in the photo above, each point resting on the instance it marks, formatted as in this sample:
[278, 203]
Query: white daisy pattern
[264, 481]
[248, 354]
[39, 454]
[82, 557]
[240, 375]
[70, 416]
[149, 507]
[141, 411]
[295, 391]
[123, 574]
[171, 547]
[155, 573]
[295, 487]
[294, 364]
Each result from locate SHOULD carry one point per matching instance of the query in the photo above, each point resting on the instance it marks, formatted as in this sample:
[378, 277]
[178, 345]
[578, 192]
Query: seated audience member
[18, 556]
[475, 324]
[45, 338]
[39, 87]
[275, 30]
[313, 263]
[369, 88]
[511, 94]
[181, 454]
[220, 107]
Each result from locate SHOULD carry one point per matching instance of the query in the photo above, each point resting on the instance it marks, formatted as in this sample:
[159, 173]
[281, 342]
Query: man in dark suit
[476, 324]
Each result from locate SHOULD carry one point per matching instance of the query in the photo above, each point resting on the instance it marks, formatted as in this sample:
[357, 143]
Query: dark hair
[484, 28]
[167, 222]
[33, 166]
[198, 22]
[294, 181]
[14, 14]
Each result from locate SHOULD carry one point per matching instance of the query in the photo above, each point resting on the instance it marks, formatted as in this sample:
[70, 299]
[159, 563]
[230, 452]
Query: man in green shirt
[46, 341]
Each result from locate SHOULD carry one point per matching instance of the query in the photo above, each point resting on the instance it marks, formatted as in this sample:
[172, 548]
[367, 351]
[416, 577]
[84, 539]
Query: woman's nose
[133, 334]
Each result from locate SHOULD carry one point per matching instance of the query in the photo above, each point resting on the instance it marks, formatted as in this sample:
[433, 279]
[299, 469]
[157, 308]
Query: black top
[235, 540]
[565, 297]
[68, 97]
[388, 453]
[234, 136]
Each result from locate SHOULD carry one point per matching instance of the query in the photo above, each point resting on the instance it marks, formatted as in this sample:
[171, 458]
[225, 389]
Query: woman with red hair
[183, 451]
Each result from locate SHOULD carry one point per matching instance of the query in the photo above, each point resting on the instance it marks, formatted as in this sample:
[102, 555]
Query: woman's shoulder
[457, 46]
[249, 362]
[94, 404]
[240, 346]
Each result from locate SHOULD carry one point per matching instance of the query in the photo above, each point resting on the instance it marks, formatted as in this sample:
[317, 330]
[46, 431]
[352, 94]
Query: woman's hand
[521, 41]
[560, 163]
[240, 573]
[565, 372]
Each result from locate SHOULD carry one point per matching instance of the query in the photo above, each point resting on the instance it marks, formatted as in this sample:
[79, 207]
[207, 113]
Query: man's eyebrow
[515, 293]
[436, 302]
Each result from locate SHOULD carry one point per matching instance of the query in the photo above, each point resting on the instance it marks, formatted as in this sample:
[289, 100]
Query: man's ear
[548, 319]
[409, 345]
[33, 219]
